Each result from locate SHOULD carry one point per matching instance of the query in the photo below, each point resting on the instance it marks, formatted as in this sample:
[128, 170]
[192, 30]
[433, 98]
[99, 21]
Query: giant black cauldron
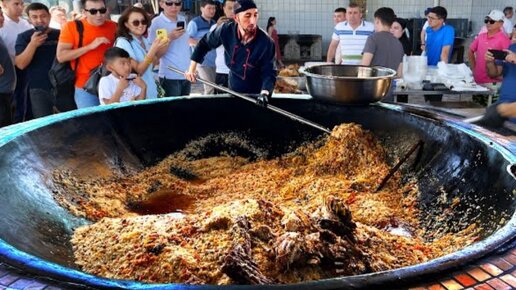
[457, 158]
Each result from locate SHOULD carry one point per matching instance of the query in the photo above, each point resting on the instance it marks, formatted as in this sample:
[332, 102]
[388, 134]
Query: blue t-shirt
[196, 29]
[137, 52]
[42, 59]
[436, 40]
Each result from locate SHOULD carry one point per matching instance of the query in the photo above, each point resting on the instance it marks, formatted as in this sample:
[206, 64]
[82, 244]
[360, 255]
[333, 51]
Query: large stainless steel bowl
[348, 84]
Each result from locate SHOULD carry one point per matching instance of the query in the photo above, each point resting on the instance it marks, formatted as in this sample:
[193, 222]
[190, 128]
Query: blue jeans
[175, 88]
[84, 99]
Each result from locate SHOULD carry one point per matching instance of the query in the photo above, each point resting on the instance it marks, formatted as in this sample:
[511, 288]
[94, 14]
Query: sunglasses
[94, 11]
[173, 3]
[138, 22]
[490, 21]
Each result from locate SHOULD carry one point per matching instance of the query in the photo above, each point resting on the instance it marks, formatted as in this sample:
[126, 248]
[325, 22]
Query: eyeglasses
[432, 18]
[94, 11]
[490, 21]
[138, 22]
[174, 3]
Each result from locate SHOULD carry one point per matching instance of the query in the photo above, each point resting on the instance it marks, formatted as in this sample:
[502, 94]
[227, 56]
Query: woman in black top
[398, 30]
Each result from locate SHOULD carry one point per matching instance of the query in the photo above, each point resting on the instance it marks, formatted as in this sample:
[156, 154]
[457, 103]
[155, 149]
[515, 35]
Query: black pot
[461, 159]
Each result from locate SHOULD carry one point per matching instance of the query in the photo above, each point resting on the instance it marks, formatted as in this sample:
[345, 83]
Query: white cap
[496, 15]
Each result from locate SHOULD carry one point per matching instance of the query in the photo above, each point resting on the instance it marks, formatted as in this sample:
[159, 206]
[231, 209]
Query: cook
[249, 53]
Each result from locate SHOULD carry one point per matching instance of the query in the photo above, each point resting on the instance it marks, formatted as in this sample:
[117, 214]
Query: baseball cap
[496, 15]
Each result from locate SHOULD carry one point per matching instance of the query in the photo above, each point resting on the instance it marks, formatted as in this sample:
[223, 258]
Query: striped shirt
[352, 41]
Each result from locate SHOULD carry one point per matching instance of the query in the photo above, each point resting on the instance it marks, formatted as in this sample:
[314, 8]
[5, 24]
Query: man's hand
[1, 70]
[176, 33]
[489, 57]
[262, 100]
[97, 42]
[222, 20]
[37, 39]
[511, 56]
[190, 74]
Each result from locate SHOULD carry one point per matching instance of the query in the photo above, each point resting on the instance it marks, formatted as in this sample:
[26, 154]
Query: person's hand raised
[98, 42]
[140, 82]
[122, 84]
[38, 38]
[176, 33]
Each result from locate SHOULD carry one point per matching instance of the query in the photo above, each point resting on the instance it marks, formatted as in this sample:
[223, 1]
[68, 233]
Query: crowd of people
[227, 49]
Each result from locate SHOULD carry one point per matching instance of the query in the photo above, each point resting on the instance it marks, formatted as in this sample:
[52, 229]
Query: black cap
[243, 5]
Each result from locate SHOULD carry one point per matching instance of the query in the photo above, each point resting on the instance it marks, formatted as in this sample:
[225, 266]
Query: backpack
[62, 79]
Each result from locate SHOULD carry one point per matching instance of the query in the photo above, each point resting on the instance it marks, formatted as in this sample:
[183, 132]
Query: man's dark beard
[251, 32]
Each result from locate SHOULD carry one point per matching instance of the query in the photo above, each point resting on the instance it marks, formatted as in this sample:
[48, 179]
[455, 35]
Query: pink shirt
[480, 46]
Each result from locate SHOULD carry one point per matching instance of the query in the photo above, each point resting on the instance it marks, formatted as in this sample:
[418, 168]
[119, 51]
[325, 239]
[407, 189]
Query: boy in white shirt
[120, 85]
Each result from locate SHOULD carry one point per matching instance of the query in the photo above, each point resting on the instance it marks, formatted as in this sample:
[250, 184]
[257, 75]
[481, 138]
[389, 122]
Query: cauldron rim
[503, 236]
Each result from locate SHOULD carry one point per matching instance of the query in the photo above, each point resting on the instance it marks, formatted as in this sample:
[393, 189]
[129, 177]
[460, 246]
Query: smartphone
[498, 54]
[131, 77]
[181, 24]
[40, 28]
[161, 33]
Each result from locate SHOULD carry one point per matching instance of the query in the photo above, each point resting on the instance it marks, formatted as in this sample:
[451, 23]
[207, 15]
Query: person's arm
[268, 70]
[493, 70]
[66, 53]
[191, 30]
[25, 51]
[449, 39]
[471, 58]
[107, 95]
[399, 71]
[445, 53]
[422, 36]
[210, 40]
[367, 58]
[139, 82]
[331, 50]
[507, 110]
[368, 51]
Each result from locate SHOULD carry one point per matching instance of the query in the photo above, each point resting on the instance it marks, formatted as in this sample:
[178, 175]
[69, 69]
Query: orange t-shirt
[92, 58]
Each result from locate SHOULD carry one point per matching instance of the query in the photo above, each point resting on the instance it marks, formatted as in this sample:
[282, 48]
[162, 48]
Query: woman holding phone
[132, 26]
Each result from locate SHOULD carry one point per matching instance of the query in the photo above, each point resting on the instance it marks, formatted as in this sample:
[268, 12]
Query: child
[120, 85]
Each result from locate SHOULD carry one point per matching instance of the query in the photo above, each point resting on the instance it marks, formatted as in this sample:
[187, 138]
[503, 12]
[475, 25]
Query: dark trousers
[22, 107]
[175, 88]
[42, 102]
[221, 80]
[5, 109]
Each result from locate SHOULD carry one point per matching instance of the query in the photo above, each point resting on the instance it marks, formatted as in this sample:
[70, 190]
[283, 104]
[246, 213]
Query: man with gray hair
[351, 36]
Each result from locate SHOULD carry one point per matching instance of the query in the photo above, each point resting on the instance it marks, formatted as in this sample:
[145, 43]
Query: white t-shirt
[9, 32]
[352, 41]
[107, 87]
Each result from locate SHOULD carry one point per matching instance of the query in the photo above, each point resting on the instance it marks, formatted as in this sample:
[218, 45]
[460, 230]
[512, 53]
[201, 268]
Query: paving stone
[491, 269]
[502, 264]
[8, 279]
[509, 279]
[452, 285]
[465, 279]
[499, 284]
[484, 287]
[436, 287]
[510, 258]
[22, 283]
[479, 274]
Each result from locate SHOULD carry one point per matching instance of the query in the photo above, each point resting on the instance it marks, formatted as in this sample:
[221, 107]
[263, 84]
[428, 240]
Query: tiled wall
[301, 16]
[316, 17]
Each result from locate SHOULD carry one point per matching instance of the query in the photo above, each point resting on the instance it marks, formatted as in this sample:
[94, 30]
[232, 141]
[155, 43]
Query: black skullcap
[243, 5]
